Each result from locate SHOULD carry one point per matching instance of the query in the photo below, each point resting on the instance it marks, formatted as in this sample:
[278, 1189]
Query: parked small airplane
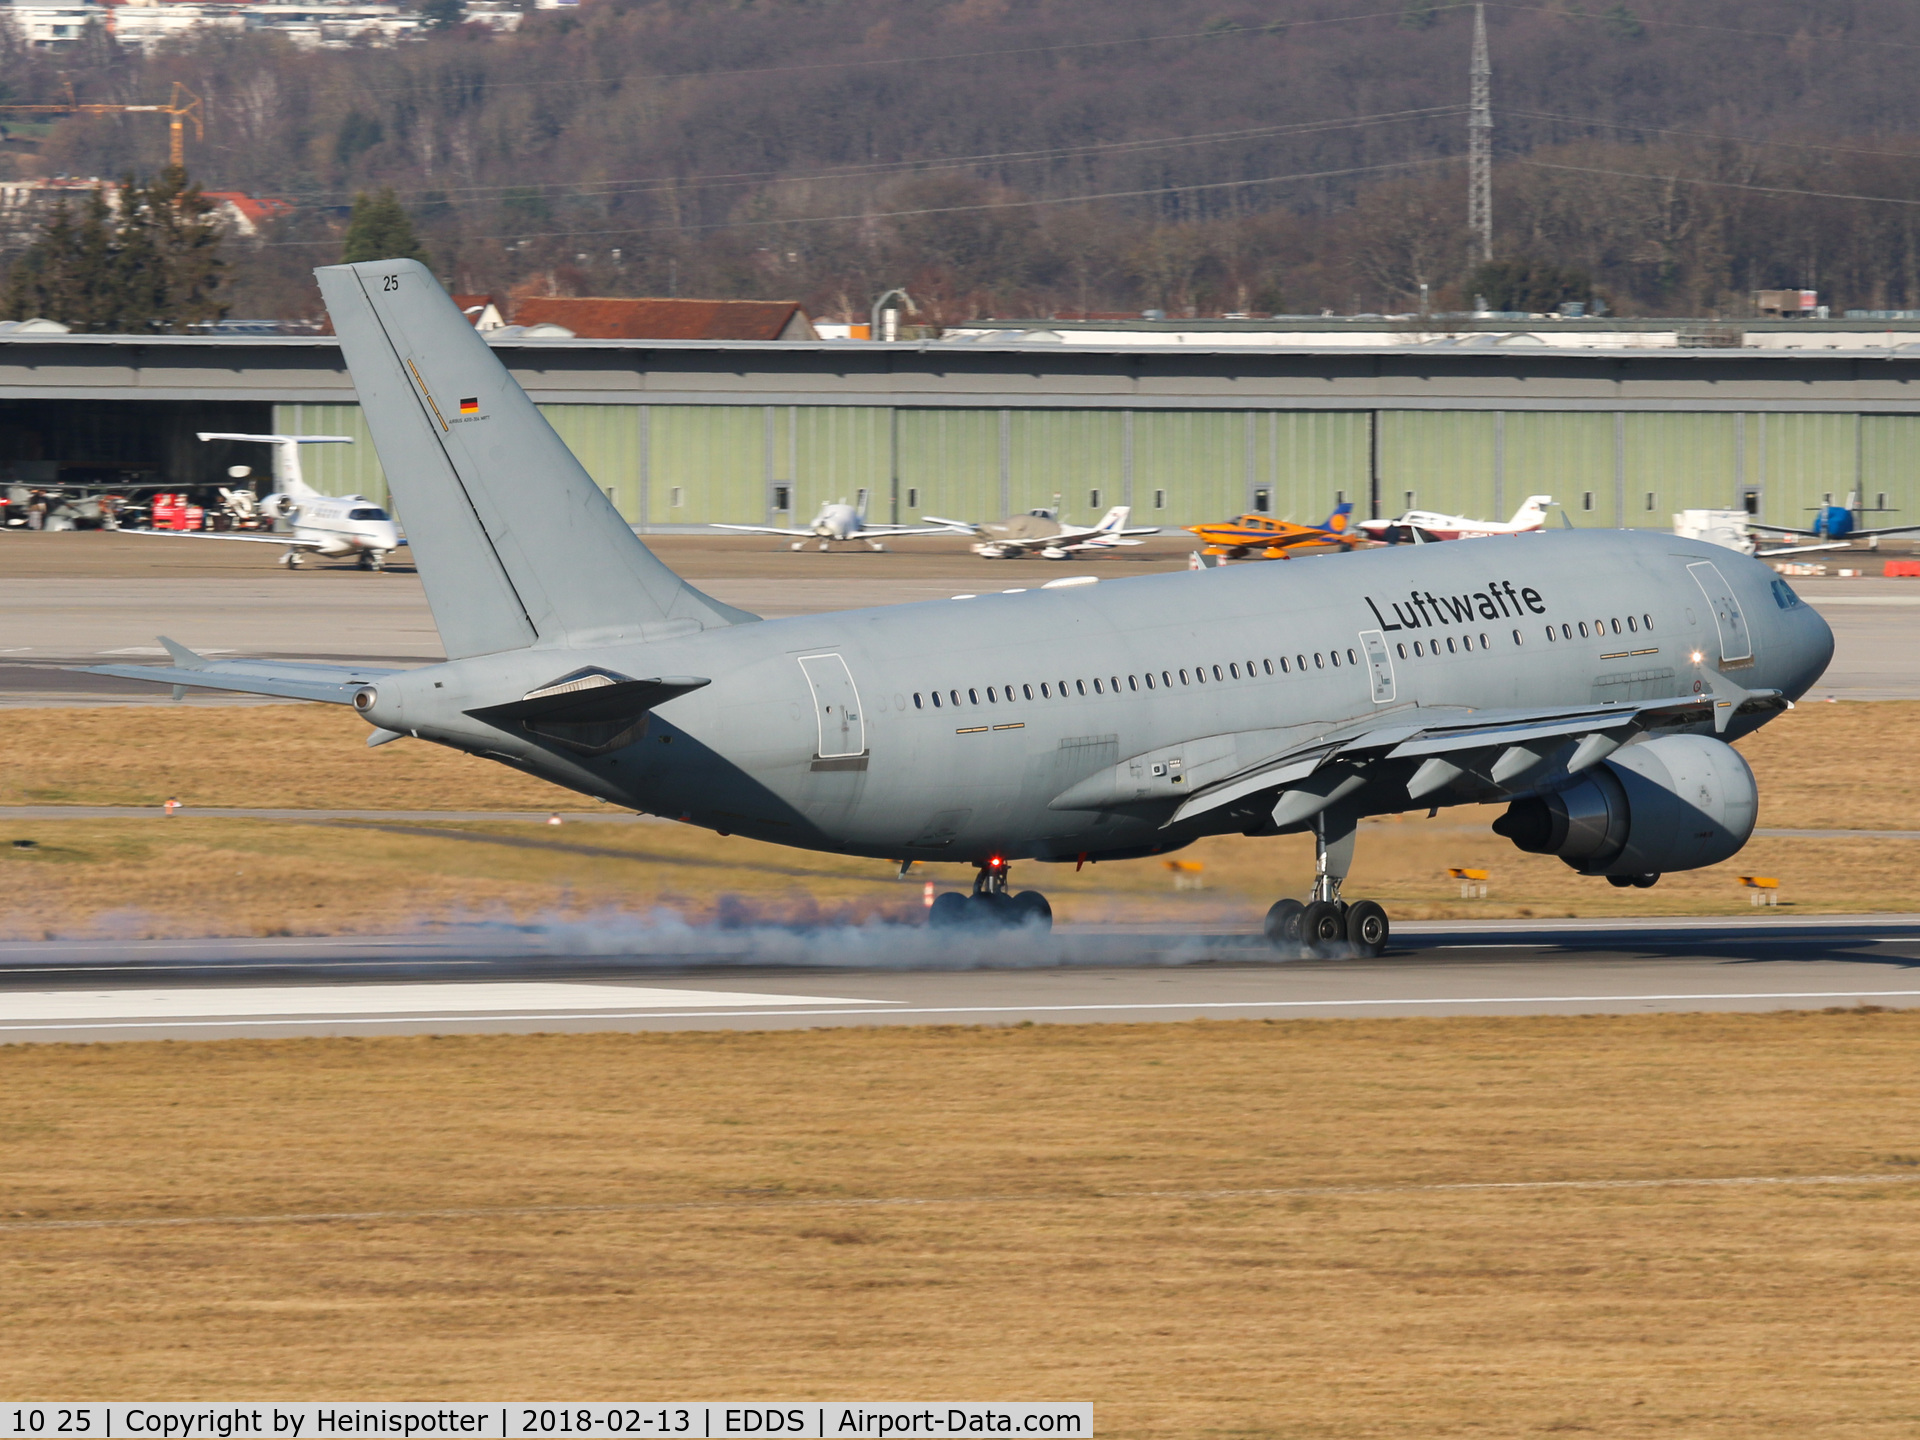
[1066, 541]
[1832, 523]
[842, 521]
[1735, 530]
[1276, 539]
[1419, 526]
[330, 525]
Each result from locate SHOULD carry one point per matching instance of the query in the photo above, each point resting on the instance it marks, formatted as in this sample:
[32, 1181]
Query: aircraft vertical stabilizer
[515, 544]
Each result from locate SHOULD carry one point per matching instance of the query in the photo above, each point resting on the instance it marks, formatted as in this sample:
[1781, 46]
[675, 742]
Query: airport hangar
[681, 434]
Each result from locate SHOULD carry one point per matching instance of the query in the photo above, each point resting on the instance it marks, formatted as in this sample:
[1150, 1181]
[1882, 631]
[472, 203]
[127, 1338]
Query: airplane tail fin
[1115, 519]
[1341, 520]
[515, 544]
[1532, 513]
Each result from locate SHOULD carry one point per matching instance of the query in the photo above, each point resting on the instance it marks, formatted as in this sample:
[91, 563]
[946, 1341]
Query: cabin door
[1736, 645]
[836, 706]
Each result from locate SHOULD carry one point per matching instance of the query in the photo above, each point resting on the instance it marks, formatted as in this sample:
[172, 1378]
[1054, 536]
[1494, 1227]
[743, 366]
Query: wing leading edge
[289, 679]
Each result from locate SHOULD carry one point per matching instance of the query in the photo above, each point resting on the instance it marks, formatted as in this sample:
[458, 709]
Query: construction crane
[184, 106]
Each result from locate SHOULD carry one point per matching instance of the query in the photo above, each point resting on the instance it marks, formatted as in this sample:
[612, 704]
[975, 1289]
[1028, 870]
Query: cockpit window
[367, 512]
[1784, 597]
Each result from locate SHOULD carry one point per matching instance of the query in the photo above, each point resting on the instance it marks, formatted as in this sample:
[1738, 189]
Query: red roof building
[247, 214]
[593, 317]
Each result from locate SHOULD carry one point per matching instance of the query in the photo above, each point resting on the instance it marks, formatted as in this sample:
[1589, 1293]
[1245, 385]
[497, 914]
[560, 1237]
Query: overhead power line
[1913, 154]
[1719, 184]
[880, 169]
[936, 209]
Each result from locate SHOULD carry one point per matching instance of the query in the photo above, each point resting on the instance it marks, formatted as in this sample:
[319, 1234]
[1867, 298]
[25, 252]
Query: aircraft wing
[1437, 744]
[882, 532]
[291, 679]
[1801, 549]
[285, 542]
[965, 526]
[763, 529]
[1790, 531]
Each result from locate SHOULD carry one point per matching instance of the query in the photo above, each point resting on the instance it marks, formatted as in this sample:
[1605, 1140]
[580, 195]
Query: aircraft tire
[1646, 882]
[1323, 928]
[1367, 929]
[1619, 882]
[1029, 909]
[987, 910]
[950, 911]
[1282, 925]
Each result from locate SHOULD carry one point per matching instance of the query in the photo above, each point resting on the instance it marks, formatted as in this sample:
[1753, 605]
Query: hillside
[826, 148]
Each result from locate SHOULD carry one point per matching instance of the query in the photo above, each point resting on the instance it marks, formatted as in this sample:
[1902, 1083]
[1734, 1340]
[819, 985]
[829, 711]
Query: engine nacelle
[1676, 803]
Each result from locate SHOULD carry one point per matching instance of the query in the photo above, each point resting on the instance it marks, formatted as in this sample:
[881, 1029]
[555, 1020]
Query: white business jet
[842, 521]
[1417, 527]
[335, 526]
[1066, 542]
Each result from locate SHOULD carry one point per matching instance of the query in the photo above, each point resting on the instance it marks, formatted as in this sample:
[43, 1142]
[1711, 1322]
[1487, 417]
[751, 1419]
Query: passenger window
[1269, 665]
[1301, 662]
[1115, 682]
[1550, 633]
[1450, 649]
[1096, 686]
[1419, 650]
[1234, 671]
[1149, 680]
[1616, 627]
[1183, 677]
[1027, 691]
[916, 701]
[955, 695]
[1632, 624]
[1352, 658]
[1466, 643]
[1403, 651]
[936, 699]
[1583, 629]
[990, 697]
[1216, 673]
[1133, 682]
[1250, 670]
[1647, 620]
[1485, 644]
[1285, 668]
[1599, 629]
[1319, 661]
[1081, 686]
[974, 696]
[1518, 641]
[1335, 657]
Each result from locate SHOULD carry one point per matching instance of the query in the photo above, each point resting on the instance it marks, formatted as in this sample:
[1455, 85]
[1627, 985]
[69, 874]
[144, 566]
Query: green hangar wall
[669, 467]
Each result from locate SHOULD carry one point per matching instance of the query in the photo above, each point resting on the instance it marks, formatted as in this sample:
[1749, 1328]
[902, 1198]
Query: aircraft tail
[287, 476]
[1532, 514]
[515, 544]
[1341, 520]
[1115, 520]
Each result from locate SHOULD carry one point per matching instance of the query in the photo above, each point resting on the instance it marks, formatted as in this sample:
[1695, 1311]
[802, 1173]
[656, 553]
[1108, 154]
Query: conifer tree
[146, 260]
[381, 230]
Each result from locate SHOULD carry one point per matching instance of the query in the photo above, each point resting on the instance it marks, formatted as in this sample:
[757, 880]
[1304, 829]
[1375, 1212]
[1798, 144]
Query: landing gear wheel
[1646, 882]
[949, 912]
[1619, 882]
[1283, 925]
[1367, 929]
[987, 910]
[1323, 928]
[1030, 909]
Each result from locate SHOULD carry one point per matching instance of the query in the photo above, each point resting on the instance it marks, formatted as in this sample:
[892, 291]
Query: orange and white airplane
[1416, 527]
[1274, 539]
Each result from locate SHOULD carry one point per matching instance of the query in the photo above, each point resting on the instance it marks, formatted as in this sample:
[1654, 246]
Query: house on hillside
[593, 317]
[247, 215]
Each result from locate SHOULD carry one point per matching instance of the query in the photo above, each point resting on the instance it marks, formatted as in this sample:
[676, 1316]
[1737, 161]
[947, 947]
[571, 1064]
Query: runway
[673, 977]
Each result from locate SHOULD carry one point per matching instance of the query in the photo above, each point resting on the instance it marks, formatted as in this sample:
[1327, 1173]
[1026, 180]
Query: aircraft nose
[1809, 648]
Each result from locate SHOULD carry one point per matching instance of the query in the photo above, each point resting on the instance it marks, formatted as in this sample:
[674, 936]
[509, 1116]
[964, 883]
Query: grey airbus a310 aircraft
[1591, 679]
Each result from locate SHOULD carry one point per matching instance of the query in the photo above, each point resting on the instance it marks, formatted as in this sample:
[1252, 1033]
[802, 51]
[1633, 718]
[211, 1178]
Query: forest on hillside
[1041, 157]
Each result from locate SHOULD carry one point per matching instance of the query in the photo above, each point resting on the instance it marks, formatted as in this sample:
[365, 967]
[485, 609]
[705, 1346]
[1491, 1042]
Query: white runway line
[428, 998]
[801, 1006]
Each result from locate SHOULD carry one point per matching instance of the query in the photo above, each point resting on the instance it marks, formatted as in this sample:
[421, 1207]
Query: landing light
[1697, 657]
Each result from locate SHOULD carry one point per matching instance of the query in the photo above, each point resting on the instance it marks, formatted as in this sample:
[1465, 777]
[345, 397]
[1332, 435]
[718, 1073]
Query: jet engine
[1675, 803]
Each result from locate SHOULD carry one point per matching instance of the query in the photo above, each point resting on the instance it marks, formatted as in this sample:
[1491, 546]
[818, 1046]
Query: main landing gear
[1327, 926]
[373, 559]
[990, 906]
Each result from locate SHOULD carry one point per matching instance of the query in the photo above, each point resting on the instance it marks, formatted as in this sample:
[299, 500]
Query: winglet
[183, 658]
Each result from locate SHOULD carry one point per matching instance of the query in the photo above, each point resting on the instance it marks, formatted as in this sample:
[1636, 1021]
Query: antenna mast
[1480, 145]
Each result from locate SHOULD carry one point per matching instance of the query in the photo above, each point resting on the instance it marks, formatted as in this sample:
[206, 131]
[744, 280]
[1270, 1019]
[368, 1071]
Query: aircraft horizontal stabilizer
[592, 711]
[290, 679]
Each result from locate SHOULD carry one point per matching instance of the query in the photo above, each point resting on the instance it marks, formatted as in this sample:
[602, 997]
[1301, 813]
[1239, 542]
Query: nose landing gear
[990, 906]
[1326, 924]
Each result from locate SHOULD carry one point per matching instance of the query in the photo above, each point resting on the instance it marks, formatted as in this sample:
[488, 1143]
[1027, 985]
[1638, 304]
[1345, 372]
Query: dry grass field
[209, 875]
[1354, 1228]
